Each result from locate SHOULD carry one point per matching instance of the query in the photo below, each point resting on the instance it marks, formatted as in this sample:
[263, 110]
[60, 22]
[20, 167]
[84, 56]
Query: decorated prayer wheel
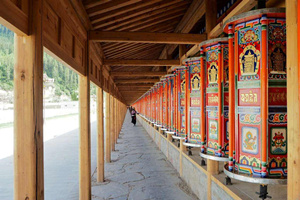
[159, 105]
[216, 87]
[193, 119]
[169, 104]
[164, 101]
[257, 70]
[179, 87]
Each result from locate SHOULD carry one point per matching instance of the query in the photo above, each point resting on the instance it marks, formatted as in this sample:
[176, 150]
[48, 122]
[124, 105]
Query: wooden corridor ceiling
[151, 16]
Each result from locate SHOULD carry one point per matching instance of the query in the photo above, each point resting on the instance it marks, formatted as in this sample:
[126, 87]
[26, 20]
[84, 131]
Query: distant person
[133, 116]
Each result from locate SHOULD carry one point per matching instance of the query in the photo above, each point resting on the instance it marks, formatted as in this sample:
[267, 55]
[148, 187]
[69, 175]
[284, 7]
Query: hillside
[66, 80]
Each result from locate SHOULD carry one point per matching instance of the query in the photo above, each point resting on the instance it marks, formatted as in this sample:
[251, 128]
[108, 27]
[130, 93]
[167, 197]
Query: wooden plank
[117, 62]
[143, 52]
[28, 106]
[132, 74]
[136, 15]
[135, 90]
[142, 37]
[169, 18]
[112, 5]
[132, 10]
[100, 138]
[136, 47]
[13, 18]
[136, 81]
[153, 15]
[107, 128]
[139, 85]
[84, 139]
[92, 3]
[293, 76]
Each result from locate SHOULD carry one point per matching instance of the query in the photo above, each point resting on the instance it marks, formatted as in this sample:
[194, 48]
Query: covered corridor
[139, 170]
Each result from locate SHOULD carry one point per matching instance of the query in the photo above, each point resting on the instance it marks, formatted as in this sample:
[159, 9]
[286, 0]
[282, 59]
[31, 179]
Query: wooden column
[84, 139]
[107, 128]
[210, 22]
[116, 121]
[28, 108]
[100, 138]
[182, 51]
[112, 118]
[293, 94]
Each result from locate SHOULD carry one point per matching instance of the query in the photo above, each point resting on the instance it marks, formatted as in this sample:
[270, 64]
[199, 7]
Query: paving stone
[139, 170]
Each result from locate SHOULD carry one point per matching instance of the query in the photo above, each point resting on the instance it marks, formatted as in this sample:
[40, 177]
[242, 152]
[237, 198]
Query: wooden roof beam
[127, 24]
[134, 16]
[136, 80]
[143, 37]
[133, 74]
[191, 17]
[117, 62]
[145, 85]
[109, 6]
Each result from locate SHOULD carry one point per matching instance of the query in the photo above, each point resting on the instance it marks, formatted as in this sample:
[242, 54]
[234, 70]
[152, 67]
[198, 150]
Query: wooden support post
[28, 108]
[210, 22]
[84, 139]
[293, 85]
[107, 128]
[116, 121]
[112, 118]
[182, 51]
[100, 138]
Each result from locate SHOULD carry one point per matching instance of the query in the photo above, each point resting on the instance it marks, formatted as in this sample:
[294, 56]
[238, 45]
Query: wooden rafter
[142, 13]
[144, 85]
[133, 74]
[122, 10]
[117, 62]
[138, 53]
[112, 5]
[159, 14]
[136, 81]
[191, 17]
[142, 37]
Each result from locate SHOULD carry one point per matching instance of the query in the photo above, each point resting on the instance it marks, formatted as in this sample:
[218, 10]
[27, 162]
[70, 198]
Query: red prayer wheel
[257, 92]
[193, 97]
[216, 98]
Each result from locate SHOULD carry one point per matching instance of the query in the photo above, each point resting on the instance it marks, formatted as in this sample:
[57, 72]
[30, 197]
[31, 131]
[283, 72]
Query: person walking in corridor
[133, 116]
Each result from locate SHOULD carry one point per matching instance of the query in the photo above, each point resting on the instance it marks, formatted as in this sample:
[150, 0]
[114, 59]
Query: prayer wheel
[159, 105]
[164, 100]
[216, 103]
[170, 104]
[194, 91]
[179, 73]
[257, 93]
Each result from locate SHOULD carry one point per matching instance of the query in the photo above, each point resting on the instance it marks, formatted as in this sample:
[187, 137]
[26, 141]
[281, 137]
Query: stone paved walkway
[139, 170]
